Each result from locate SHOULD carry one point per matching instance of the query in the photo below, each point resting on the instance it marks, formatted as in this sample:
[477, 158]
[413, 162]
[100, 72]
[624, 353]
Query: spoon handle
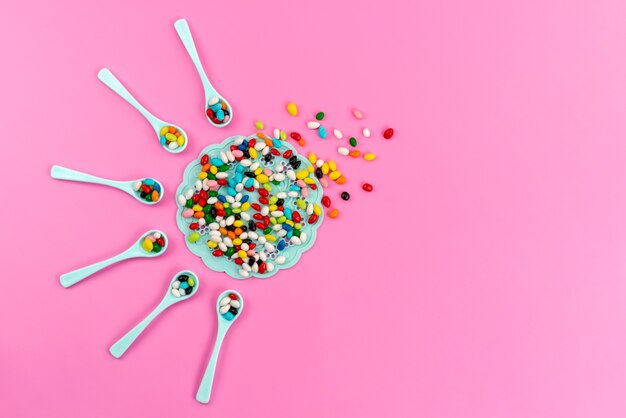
[204, 391]
[182, 28]
[120, 347]
[64, 173]
[106, 76]
[73, 277]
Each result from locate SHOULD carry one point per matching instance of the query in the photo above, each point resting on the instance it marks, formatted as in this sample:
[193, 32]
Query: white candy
[263, 256]
[280, 259]
[337, 133]
[214, 100]
[176, 293]
[201, 221]
[243, 235]
[225, 301]
[245, 216]
[224, 157]
[254, 166]
[319, 163]
[238, 141]
[270, 267]
[230, 155]
[137, 185]
[343, 151]
[223, 246]
[215, 226]
[281, 233]
[224, 309]
[188, 194]
[176, 284]
[235, 304]
[262, 239]
[181, 200]
[198, 185]
[228, 241]
[245, 247]
[265, 210]
[254, 235]
[260, 145]
[277, 133]
[230, 199]
[277, 213]
[291, 175]
[255, 268]
[238, 188]
[279, 176]
[277, 227]
[295, 240]
[303, 237]
[269, 247]
[243, 273]
[156, 235]
[211, 200]
[172, 145]
[247, 163]
[222, 175]
[230, 220]
[292, 194]
[309, 209]
[246, 266]
[236, 205]
[313, 124]
[366, 132]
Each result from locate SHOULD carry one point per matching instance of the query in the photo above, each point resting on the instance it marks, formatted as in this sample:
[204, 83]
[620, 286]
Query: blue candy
[321, 131]
[157, 187]
[221, 198]
[245, 199]
[281, 245]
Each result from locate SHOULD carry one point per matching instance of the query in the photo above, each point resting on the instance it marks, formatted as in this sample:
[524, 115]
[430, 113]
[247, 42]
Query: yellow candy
[312, 158]
[302, 174]
[212, 244]
[273, 208]
[237, 224]
[288, 222]
[148, 245]
[271, 238]
[202, 175]
[258, 171]
[253, 153]
[237, 210]
[332, 165]
[193, 237]
[267, 187]
[273, 221]
[164, 131]
[245, 206]
[213, 169]
[311, 169]
[369, 157]
[242, 254]
[262, 178]
[309, 180]
[226, 204]
[283, 135]
[335, 175]
[170, 137]
[259, 125]
[237, 241]
[325, 168]
[292, 109]
[197, 208]
[191, 281]
[180, 140]
[301, 204]
[317, 209]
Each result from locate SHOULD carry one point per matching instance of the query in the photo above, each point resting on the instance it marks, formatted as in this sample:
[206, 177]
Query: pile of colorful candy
[229, 306]
[153, 243]
[148, 189]
[218, 111]
[252, 201]
[183, 285]
[171, 137]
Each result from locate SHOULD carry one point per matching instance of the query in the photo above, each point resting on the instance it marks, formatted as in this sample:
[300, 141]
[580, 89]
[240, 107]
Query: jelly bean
[319, 115]
[357, 113]
[340, 180]
[343, 150]
[259, 125]
[355, 153]
[338, 134]
[353, 141]
[295, 136]
[326, 201]
[345, 196]
[388, 133]
[321, 131]
[147, 245]
[334, 213]
[366, 132]
[184, 285]
[313, 124]
[369, 157]
[292, 109]
[367, 187]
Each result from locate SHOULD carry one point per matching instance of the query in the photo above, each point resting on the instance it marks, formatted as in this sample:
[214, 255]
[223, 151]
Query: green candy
[213, 193]
[223, 168]
[149, 197]
[156, 248]
[319, 116]
[353, 141]
[189, 204]
[230, 251]
[228, 211]
[267, 230]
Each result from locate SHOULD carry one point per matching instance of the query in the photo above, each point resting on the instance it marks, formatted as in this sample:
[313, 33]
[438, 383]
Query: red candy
[275, 152]
[218, 253]
[233, 296]
[326, 201]
[287, 153]
[296, 136]
[368, 187]
[160, 241]
[388, 133]
[295, 216]
[256, 206]
[264, 192]
[312, 219]
[262, 268]
[204, 159]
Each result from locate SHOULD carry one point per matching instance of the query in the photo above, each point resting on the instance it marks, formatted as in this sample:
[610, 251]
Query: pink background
[494, 288]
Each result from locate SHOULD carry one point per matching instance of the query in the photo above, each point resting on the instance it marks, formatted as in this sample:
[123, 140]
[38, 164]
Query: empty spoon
[228, 308]
[218, 111]
[171, 143]
[175, 293]
[132, 187]
[138, 249]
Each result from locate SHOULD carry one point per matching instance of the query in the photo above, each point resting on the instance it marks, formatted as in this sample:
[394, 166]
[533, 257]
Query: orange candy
[334, 213]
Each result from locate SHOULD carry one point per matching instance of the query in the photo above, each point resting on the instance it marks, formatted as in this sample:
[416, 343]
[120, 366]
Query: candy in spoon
[171, 137]
[228, 308]
[184, 285]
[218, 112]
[151, 244]
[146, 190]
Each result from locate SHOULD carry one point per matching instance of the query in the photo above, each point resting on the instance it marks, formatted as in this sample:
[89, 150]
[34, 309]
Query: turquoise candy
[229, 316]
[277, 143]
[220, 115]
[162, 140]
[217, 162]
[148, 182]
[321, 131]
[231, 192]
[184, 285]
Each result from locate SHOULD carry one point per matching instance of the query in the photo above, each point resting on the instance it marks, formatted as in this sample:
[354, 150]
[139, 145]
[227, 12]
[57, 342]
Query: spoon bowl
[62, 173]
[224, 322]
[106, 76]
[134, 251]
[212, 97]
[120, 347]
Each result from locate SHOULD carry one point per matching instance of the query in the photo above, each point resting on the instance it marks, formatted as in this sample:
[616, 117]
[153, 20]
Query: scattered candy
[388, 133]
[326, 201]
[366, 132]
[368, 187]
[337, 133]
[229, 306]
[319, 115]
[218, 111]
[183, 285]
[353, 141]
[334, 213]
[343, 150]
[345, 195]
[357, 113]
[355, 153]
[369, 157]
[148, 189]
[171, 137]
[259, 125]
[313, 125]
[321, 131]
[292, 109]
